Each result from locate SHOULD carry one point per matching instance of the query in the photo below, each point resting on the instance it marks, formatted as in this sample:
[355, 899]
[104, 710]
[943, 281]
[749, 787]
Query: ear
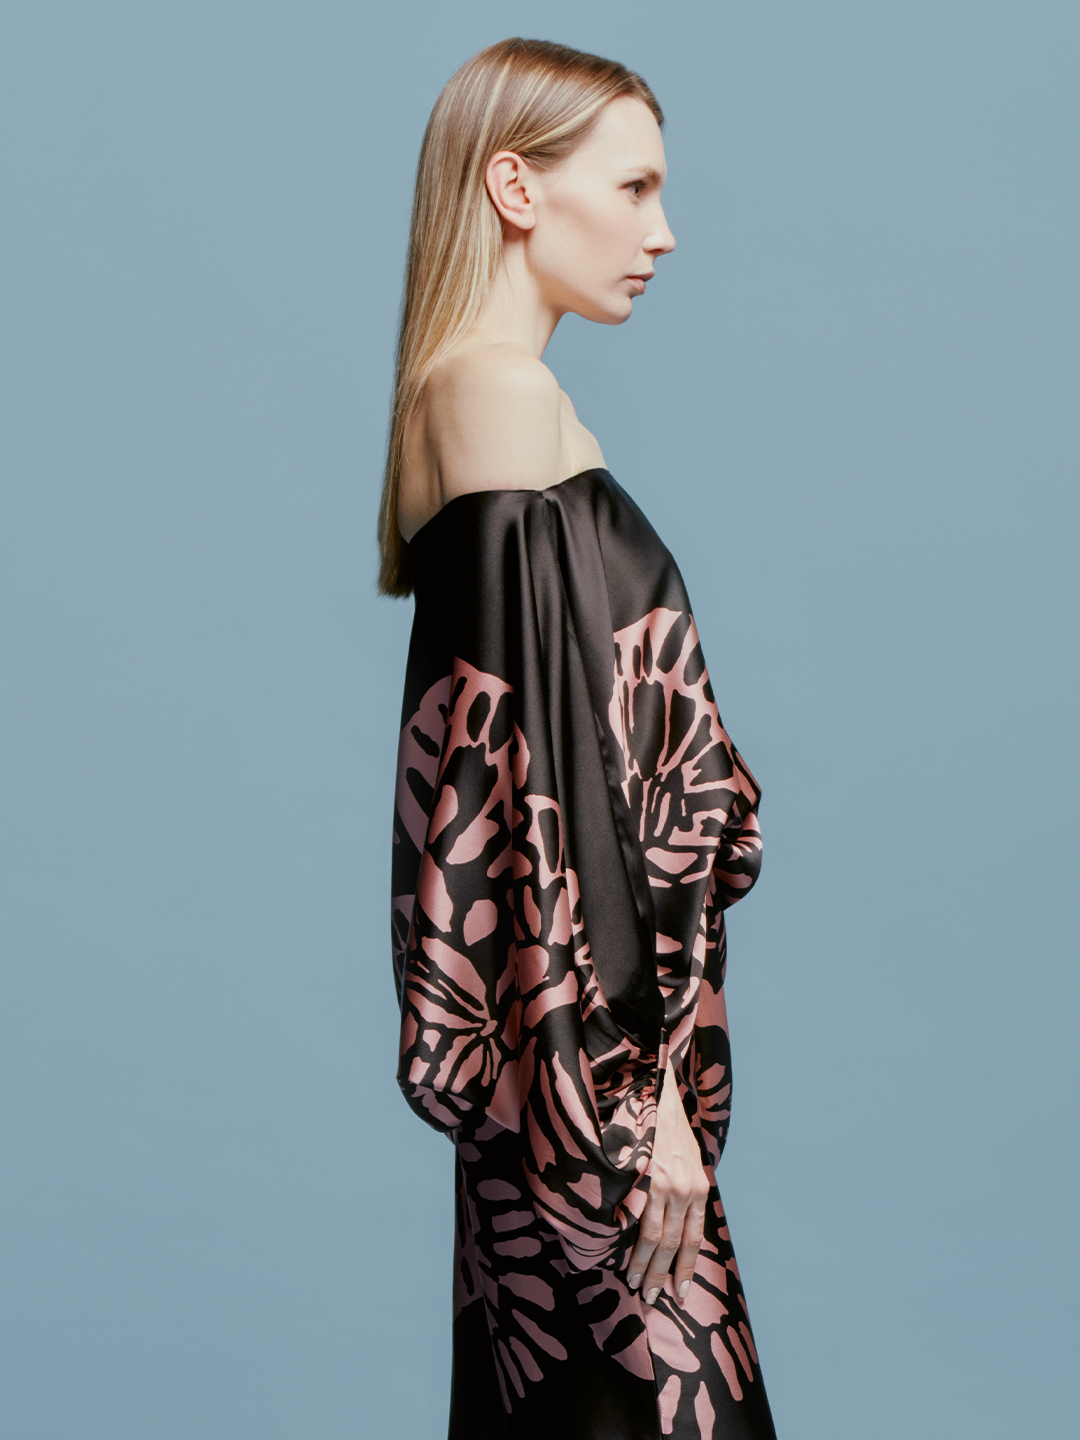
[511, 183]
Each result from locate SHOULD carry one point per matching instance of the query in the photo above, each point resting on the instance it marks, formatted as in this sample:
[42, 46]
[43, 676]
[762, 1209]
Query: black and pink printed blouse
[572, 821]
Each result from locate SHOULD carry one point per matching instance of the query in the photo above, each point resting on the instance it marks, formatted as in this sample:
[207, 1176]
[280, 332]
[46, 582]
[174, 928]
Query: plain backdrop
[848, 403]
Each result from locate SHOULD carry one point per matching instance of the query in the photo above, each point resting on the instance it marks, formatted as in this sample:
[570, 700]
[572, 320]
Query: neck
[515, 310]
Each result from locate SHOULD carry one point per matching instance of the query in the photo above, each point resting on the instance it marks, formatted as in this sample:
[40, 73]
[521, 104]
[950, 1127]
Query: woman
[571, 817]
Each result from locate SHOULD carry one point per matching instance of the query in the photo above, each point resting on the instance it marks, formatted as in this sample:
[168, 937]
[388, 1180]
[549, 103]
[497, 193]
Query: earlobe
[509, 183]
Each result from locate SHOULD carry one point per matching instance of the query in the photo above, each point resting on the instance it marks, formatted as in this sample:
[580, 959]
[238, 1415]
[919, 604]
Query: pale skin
[581, 239]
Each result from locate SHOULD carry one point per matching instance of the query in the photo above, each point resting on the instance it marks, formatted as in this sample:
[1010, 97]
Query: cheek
[611, 243]
[599, 238]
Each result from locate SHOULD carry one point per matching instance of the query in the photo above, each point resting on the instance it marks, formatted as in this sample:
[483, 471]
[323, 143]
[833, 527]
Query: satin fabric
[571, 822]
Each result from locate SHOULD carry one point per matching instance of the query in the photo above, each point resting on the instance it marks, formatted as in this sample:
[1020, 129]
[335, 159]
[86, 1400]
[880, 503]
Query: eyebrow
[647, 173]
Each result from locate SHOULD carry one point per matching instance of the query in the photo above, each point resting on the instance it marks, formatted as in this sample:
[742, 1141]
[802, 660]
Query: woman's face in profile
[599, 222]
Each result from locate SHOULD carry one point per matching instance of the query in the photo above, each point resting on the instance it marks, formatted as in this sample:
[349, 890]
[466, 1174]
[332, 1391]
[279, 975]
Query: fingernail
[651, 1296]
[684, 1289]
[635, 1281]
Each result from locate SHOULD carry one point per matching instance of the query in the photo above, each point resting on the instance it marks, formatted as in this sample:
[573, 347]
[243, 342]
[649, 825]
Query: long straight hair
[536, 99]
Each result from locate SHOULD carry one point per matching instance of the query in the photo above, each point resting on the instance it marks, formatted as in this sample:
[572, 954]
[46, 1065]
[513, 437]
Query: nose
[661, 241]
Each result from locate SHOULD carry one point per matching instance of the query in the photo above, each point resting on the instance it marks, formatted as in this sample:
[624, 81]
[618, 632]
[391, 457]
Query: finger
[650, 1233]
[686, 1260]
[660, 1264]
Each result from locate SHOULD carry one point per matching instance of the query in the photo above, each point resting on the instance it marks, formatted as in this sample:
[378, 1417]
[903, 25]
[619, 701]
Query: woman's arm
[674, 1217]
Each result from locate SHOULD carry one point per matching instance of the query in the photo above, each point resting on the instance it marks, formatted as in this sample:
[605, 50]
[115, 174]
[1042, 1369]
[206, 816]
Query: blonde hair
[535, 98]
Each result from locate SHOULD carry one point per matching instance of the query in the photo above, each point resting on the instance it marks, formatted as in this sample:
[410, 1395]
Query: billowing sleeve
[572, 820]
[466, 953]
[504, 1029]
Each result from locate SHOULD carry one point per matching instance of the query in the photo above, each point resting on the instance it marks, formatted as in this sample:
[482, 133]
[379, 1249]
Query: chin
[616, 312]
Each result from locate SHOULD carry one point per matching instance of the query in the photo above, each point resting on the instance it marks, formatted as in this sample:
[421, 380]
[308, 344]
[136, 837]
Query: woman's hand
[673, 1222]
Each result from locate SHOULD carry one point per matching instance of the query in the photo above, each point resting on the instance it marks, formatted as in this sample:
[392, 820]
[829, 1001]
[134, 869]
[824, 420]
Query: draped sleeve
[571, 821]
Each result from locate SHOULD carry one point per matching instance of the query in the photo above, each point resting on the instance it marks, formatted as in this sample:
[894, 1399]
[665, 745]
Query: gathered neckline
[507, 490]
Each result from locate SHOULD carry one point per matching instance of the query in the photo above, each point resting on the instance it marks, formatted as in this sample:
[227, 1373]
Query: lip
[639, 281]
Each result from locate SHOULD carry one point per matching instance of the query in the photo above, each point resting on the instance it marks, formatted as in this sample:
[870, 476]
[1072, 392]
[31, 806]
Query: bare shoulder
[473, 372]
[492, 420]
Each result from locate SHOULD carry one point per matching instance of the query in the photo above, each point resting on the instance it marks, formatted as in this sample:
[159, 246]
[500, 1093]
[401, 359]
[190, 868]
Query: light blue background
[849, 403]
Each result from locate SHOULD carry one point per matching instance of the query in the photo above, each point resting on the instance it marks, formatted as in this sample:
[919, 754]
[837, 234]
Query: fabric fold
[571, 822]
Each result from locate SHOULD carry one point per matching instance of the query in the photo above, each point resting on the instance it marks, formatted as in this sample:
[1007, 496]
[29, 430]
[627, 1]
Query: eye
[635, 187]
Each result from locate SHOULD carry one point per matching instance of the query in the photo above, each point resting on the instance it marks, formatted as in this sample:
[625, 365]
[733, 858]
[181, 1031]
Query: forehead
[625, 137]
